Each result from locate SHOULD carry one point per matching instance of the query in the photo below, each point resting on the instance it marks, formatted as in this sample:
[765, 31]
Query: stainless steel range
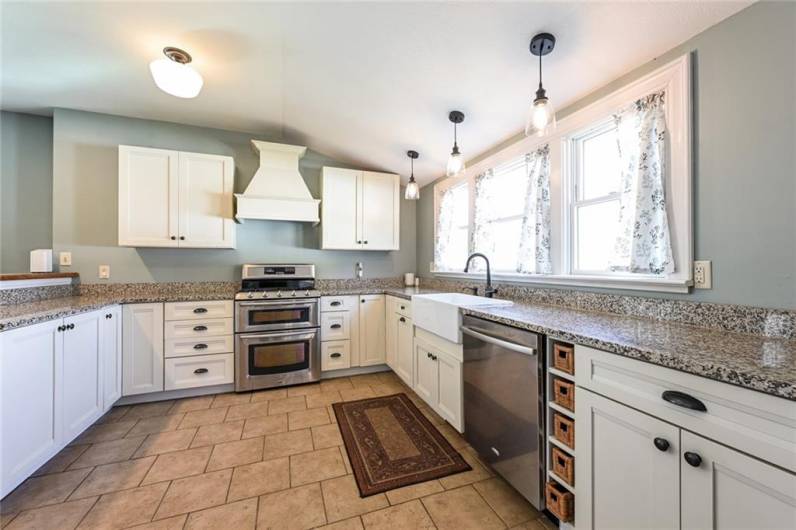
[277, 335]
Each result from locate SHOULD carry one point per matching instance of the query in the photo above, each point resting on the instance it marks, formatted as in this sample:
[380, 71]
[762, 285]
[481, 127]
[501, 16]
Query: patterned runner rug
[391, 444]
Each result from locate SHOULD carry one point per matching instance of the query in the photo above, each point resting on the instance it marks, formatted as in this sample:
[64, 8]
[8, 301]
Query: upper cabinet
[175, 199]
[359, 210]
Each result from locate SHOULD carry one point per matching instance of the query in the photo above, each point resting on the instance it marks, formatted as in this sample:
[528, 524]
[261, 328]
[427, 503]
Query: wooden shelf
[560, 481]
[562, 410]
[36, 276]
[564, 447]
[561, 374]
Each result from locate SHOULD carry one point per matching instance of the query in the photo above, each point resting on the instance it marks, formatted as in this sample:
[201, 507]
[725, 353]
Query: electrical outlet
[65, 259]
[104, 272]
[703, 275]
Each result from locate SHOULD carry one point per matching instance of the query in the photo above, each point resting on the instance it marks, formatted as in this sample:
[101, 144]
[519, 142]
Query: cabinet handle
[336, 355]
[173, 238]
[200, 310]
[662, 444]
[182, 238]
[336, 326]
[692, 459]
[61, 328]
[200, 346]
[200, 328]
[359, 242]
[403, 308]
[428, 355]
[402, 319]
[70, 326]
[336, 303]
[682, 399]
[365, 242]
[200, 371]
[433, 357]
[363, 301]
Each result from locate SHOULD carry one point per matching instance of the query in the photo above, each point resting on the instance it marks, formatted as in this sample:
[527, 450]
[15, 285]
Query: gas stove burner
[277, 281]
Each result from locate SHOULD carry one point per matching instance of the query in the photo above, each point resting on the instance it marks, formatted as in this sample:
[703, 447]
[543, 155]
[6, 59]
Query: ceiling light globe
[541, 118]
[177, 79]
[412, 192]
[455, 164]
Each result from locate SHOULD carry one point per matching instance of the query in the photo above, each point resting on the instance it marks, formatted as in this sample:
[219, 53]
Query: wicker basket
[559, 501]
[564, 358]
[564, 393]
[563, 465]
[564, 430]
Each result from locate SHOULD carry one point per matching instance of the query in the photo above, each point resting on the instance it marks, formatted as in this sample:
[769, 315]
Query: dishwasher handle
[498, 342]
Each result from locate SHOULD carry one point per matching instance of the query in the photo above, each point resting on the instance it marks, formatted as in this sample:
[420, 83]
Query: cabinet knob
[693, 459]
[200, 346]
[359, 242]
[61, 328]
[433, 357]
[173, 238]
[363, 301]
[402, 308]
[402, 319]
[70, 326]
[365, 242]
[661, 444]
[182, 238]
[200, 371]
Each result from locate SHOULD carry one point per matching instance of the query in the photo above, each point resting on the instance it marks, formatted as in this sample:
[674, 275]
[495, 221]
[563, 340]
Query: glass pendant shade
[541, 118]
[455, 163]
[177, 79]
[412, 192]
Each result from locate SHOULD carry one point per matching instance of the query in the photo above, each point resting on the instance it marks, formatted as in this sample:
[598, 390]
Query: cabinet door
[30, 425]
[731, 490]
[339, 221]
[426, 375]
[449, 402]
[111, 354]
[82, 379]
[379, 199]
[372, 342]
[142, 348]
[391, 336]
[403, 351]
[622, 480]
[148, 202]
[205, 211]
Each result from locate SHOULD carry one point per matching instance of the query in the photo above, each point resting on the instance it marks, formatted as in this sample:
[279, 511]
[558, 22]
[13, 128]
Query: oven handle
[271, 303]
[277, 334]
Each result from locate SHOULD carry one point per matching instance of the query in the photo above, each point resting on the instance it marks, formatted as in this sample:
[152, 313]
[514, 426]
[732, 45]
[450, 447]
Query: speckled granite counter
[751, 361]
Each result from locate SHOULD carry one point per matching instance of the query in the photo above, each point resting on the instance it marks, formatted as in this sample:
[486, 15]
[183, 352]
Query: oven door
[264, 360]
[274, 315]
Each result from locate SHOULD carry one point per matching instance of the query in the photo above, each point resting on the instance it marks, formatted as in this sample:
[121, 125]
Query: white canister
[409, 279]
[41, 260]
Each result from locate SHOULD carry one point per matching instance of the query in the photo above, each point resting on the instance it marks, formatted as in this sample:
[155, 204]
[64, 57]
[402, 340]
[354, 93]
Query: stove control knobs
[250, 295]
[306, 293]
[293, 294]
[279, 294]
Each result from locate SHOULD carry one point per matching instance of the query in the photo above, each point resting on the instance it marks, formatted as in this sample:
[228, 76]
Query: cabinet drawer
[198, 310]
[335, 355]
[403, 307]
[211, 327]
[338, 303]
[335, 326]
[756, 423]
[200, 370]
[200, 346]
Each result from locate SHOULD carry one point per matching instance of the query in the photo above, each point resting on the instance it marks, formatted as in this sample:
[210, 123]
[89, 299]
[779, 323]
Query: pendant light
[455, 161]
[173, 75]
[412, 192]
[541, 116]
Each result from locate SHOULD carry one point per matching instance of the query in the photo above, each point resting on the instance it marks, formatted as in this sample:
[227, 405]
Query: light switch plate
[65, 259]
[703, 275]
[104, 272]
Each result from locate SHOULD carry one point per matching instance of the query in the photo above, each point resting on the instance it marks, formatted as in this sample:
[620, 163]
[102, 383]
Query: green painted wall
[84, 217]
[26, 147]
[744, 165]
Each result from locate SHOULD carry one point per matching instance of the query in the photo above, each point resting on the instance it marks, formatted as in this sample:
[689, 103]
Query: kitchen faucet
[489, 292]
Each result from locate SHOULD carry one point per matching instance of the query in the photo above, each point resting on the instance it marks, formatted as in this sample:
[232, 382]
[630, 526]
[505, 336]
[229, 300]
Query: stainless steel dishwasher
[504, 403]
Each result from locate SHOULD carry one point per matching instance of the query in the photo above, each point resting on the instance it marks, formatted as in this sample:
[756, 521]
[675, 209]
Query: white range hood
[277, 191]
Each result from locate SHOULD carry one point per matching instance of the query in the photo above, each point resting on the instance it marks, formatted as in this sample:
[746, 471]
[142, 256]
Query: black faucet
[489, 292]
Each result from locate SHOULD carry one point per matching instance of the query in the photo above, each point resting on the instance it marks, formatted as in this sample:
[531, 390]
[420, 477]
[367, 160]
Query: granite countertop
[759, 363]
[752, 361]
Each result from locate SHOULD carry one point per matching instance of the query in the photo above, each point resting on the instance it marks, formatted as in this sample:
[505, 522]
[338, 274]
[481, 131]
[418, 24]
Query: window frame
[675, 79]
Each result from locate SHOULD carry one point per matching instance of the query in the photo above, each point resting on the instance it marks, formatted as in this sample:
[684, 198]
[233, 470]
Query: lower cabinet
[400, 335]
[438, 381]
[372, 330]
[142, 348]
[199, 370]
[111, 348]
[633, 470]
[82, 381]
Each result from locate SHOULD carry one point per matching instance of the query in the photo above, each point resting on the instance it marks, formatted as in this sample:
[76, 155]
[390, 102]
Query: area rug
[391, 444]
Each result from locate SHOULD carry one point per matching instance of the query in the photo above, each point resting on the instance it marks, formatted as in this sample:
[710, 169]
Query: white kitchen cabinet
[175, 199]
[340, 332]
[391, 336]
[199, 370]
[111, 355]
[372, 330]
[82, 380]
[622, 479]
[426, 374]
[359, 210]
[403, 349]
[142, 348]
[438, 381]
[729, 489]
[30, 387]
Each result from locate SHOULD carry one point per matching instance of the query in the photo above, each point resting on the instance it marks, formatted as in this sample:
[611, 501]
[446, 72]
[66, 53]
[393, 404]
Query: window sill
[662, 285]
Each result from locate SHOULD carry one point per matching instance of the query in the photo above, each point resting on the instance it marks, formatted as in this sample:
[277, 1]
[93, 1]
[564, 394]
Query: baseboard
[175, 394]
[358, 370]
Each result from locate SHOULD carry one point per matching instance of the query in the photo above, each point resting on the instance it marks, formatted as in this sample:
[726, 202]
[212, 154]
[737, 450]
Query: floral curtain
[487, 208]
[444, 232]
[643, 244]
[534, 255]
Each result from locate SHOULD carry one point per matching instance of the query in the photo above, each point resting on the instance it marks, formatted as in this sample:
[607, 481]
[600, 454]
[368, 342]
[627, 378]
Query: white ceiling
[360, 82]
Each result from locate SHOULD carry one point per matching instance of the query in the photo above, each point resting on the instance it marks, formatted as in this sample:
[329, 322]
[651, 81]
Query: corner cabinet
[360, 210]
[175, 199]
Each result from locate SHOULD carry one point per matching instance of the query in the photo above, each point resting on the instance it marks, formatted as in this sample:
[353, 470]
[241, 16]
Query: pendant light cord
[454, 135]
[540, 70]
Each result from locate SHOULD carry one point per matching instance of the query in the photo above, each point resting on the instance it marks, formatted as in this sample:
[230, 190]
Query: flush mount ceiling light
[173, 75]
[541, 116]
[455, 161]
[412, 190]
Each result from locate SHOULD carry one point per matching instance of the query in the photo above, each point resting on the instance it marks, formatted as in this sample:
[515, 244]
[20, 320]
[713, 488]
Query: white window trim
[675, 78]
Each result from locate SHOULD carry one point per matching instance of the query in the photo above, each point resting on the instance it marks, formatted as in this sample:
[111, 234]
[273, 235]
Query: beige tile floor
[269, 459]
